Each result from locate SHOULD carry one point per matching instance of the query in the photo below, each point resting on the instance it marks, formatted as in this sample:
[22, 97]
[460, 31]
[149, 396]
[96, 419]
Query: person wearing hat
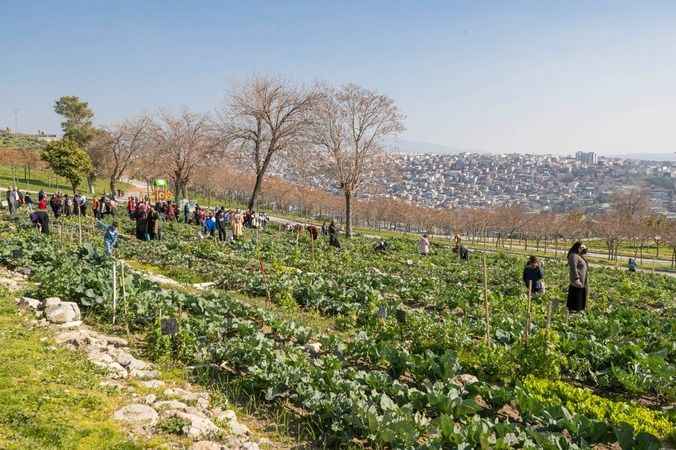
[577, 271]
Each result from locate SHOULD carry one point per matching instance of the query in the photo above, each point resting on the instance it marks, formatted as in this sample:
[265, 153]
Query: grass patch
[50, 398]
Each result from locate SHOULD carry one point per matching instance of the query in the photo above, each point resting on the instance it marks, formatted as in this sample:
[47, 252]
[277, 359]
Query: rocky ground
[154, 406]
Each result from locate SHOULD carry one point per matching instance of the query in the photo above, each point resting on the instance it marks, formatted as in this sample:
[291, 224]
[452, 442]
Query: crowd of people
[211, 221]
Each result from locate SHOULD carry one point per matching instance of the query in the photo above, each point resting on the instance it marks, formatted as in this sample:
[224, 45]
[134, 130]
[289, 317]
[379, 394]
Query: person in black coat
[333, 235]
[533, 274]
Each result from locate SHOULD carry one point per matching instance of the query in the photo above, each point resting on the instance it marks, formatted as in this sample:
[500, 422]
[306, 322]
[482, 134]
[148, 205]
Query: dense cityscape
[538, 182]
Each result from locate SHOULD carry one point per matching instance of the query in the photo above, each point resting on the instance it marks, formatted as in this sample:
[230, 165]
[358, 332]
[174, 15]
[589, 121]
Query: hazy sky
[503, 76]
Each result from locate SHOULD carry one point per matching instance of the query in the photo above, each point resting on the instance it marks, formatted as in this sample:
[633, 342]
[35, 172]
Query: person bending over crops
[424, 245]
[578, 267]
[333, 235]
[533, 276]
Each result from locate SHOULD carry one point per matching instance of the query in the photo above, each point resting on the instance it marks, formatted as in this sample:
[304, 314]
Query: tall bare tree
[348, 127]
[122, 145]
[266, 117]
[183, 143]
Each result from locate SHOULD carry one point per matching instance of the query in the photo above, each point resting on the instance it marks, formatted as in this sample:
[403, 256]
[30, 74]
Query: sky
[498, 76]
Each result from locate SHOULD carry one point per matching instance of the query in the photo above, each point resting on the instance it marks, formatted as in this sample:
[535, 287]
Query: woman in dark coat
[333, 235]
[533, 274]
[577, 270]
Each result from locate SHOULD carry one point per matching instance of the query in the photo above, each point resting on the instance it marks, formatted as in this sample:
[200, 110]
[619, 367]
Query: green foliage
[173, 425]
[77, 125]
[68, 160]
[388, 379]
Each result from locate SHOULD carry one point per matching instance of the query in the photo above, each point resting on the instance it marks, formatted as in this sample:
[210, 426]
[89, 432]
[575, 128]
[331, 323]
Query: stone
[137, 414]
[170, 405]
[144, 374]
[62, 312]
[116, 341]
[199, 427]
[249, 446]
[149, 399]
[28, 303]
[70, 325]
[464, 379]
[238, 429]
[203, 403]
[76, 338]
[185, 395]
[314, 348]
[265, 442]
[50, 301]
[152, 384]
[208, 445]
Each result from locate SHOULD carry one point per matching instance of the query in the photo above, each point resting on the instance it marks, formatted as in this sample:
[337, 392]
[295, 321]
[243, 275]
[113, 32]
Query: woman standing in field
[577, 270]
[533, 274]
[237, 222]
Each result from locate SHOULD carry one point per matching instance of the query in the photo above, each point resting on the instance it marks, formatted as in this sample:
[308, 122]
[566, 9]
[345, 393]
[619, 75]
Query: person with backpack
[632, 265]
[577, 270]
[533, 276]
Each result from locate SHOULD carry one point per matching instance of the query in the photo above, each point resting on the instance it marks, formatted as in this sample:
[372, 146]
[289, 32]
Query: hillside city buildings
[537, 182]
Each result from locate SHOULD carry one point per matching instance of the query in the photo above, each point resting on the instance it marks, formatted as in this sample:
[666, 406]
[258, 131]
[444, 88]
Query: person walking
[631, 265]
[424, 245]
[237, 222]
[110, 238]
[533, 276]
[577, 269]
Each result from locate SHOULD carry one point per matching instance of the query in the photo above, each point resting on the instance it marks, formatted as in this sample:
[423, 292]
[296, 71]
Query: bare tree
[122, 145]
[183, 143]
[348, 127]
[266, 117]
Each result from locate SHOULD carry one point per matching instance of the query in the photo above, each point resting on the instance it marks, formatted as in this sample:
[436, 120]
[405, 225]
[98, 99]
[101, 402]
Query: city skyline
[524, 77]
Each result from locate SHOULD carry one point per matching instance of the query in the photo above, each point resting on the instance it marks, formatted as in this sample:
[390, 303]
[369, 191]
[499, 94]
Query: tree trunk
[112, 186]
[256, 190]
[90, 183]
[348, 214]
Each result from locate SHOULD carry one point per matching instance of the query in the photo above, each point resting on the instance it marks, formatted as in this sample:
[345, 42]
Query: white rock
[116, 341]
[62, 312]
[249, 446]
[149, 399]
[152, 384]
[238, 429]
[203, 403]
[185, 395]
[76, 338]
[28, 303]
[137, 414]
[199, 427]
[70, 325]
[208, 445]
[144, 374]
[51, 301]
[224, 416]
[166, 405]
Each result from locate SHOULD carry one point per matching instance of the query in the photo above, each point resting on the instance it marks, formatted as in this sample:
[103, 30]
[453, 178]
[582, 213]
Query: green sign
[159, 183]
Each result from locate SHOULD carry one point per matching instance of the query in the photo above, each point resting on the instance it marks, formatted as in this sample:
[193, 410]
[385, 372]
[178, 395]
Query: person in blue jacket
[210, 225]
[110, 238]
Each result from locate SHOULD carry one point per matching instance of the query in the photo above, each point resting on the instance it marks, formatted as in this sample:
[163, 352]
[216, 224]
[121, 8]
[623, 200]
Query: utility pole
[16, 119]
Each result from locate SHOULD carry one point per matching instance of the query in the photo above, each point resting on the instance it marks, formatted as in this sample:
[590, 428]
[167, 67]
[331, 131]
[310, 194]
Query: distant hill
[418, 147]
[649, 156]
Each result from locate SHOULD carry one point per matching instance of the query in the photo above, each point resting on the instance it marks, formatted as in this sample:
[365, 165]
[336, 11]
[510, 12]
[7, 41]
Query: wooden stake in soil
[528, 319]
[124, 297]
[79, 227]
[486, 303]
[114, 290]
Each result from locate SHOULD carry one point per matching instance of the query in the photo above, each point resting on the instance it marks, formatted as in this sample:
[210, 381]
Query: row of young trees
[264, 120]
